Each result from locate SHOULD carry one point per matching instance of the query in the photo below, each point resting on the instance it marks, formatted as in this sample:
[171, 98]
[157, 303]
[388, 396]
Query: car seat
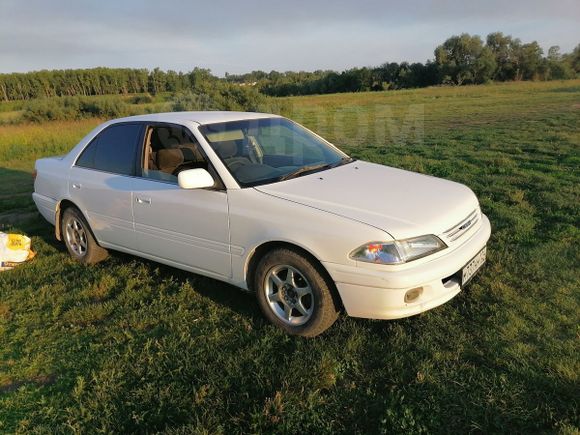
[228, 151]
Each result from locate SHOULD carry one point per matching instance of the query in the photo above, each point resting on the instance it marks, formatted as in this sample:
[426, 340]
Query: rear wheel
[79, 239]
[293, 294]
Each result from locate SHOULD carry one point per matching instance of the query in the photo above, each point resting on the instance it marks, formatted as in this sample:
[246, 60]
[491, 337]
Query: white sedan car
[264, 204]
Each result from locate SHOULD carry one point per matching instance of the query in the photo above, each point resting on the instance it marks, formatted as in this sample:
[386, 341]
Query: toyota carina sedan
[262, 203]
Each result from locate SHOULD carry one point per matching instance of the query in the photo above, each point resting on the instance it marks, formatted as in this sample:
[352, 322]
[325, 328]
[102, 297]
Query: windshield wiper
[312, 168]
[343, 161]
[304, 170]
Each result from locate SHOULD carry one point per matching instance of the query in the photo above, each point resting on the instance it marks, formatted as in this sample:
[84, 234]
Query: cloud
[256, 34]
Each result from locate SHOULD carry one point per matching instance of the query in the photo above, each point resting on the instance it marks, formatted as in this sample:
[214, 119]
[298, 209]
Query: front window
[260, 151]
[170, 149]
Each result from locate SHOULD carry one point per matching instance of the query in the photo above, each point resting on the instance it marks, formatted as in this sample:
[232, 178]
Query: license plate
[471, 268]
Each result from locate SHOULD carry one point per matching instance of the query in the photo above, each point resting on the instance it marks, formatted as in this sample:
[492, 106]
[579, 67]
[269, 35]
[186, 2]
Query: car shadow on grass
[239, 301]
[224, 294]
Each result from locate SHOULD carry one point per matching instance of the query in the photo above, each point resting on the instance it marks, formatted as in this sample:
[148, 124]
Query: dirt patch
[16, 217]
[4, 311]
[41, 380]
[15, 195]
[10, 387]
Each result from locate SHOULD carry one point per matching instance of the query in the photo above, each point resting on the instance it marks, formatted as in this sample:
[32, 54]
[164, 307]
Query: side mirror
[195, 179]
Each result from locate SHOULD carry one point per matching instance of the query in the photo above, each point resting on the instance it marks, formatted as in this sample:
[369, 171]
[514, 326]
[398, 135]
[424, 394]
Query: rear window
[113, 150]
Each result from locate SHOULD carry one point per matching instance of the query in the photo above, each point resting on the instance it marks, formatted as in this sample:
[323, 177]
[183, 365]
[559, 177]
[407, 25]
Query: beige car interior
[238, 151]
[169, 150]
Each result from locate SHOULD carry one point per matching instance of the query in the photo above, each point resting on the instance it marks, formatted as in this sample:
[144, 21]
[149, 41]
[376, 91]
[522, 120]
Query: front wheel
[79, 239]
[293, 293]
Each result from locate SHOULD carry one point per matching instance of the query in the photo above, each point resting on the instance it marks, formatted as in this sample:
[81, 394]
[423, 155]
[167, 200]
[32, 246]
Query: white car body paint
[328, 214]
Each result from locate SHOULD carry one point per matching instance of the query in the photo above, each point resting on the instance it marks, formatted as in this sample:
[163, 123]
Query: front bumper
[378, 292]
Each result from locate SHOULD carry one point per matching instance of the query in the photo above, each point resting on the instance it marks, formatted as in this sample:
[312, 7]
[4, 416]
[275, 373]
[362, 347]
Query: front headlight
[399, 251]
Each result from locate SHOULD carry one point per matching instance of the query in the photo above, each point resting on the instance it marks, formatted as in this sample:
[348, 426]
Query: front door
[184, 227]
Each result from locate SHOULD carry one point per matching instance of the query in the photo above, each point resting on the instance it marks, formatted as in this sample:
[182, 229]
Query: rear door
[101, 183]
[177, 226]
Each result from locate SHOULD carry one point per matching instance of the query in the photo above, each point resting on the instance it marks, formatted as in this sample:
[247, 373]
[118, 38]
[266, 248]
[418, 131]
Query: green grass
[133, 346]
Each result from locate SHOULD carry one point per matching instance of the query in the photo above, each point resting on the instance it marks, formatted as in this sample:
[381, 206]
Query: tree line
[98, 81]
[462, 59]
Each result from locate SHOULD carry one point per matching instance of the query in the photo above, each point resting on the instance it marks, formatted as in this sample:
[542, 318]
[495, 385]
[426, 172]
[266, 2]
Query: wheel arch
[61, 206]
[261, 250]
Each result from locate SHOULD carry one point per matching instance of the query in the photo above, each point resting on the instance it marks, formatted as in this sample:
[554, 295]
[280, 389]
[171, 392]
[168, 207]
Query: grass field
[133, 346]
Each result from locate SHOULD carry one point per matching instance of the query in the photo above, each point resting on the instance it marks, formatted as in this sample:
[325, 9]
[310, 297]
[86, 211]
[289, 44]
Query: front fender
[257, 218]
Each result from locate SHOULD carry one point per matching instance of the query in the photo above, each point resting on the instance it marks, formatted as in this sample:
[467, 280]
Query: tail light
[34, 174]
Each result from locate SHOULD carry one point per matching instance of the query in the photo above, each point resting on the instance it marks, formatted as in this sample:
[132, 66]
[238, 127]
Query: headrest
[226, 149]
[191, 153]
[169, 159]
[166, 137]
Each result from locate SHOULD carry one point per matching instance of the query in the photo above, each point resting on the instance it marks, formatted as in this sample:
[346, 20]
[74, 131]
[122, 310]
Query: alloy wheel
[289, 295]
[76, 237]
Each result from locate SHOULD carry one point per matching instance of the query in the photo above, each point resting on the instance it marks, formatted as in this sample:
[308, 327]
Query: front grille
[458, 230]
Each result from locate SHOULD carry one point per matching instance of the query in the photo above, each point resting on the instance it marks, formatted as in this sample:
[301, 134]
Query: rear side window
[113, 150]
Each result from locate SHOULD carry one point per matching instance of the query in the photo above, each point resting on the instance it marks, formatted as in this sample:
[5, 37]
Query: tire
[293, 293]
[78, 238]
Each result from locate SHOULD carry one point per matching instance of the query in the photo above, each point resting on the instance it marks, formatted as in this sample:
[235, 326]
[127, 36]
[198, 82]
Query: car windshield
[267, 150]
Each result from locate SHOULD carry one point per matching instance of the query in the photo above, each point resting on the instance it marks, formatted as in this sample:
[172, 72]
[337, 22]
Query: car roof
[205, 117]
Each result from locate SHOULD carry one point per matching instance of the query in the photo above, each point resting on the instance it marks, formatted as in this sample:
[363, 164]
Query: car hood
[404, 204]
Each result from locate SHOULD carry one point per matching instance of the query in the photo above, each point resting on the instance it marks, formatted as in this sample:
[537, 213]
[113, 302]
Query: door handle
[76, 186]
[143, 200]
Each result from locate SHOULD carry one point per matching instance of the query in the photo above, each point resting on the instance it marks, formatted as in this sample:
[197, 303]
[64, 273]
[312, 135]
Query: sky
[245, 35]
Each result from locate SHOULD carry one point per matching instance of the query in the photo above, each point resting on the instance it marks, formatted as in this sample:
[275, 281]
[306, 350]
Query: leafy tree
[529, 61]
[554, 54]
[556, 66]
[504, 49]
[464, 59]
[571, 59]
[390, 74]
[157, 81]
